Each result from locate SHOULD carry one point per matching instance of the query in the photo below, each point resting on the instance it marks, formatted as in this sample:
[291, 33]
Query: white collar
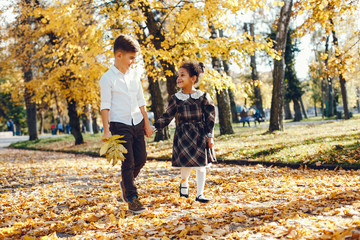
[182, 96]
[117, 71]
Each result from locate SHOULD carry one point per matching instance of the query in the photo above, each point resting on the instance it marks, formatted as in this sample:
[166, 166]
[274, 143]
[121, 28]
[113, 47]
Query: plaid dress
[196, 119]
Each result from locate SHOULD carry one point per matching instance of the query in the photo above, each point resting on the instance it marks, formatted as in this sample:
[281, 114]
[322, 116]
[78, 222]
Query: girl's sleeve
[169, 114]
[209, 115]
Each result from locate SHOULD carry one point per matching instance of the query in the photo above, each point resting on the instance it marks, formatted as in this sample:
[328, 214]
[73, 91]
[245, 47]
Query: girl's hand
[210, 142]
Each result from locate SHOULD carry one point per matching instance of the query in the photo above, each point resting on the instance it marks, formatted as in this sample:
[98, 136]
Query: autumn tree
[21, 44]
[71, 51]
[293, 90]
[326, 16]
[277, 101]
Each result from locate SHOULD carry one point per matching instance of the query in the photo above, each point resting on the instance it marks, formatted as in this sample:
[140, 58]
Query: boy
[123, 105]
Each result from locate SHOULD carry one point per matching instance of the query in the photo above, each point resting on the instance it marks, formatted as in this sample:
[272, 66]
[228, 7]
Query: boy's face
[125, 60]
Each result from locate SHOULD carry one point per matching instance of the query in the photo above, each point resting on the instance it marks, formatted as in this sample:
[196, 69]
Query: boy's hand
[148, 131]
[105, 136]
[211, 142]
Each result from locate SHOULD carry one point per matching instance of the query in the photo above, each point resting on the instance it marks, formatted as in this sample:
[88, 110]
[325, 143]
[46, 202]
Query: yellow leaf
[104, 148]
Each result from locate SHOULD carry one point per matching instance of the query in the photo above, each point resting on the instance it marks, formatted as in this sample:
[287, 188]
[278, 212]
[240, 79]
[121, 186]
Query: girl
[194, 138]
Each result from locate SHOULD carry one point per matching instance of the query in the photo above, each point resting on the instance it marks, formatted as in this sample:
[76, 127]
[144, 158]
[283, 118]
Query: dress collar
[182, 96]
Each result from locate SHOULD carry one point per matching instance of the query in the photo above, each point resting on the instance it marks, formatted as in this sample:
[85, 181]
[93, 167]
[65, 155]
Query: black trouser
[135, 158]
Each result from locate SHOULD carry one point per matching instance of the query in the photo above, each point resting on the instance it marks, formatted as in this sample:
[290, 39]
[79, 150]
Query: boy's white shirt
[123, 95]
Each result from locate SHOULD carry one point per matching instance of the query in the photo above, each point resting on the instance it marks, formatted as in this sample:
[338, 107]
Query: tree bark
[30, 103]
[255, 76]
[287, 110]
[297, 110]
[94, 124]
[222, 96]
[234, 114]
[224, 112]
[341, 76]
[303, 108]
[277, 101]
[157, 107]
[74, 122]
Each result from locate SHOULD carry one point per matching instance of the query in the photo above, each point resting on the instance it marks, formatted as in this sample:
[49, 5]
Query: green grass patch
[310, 142]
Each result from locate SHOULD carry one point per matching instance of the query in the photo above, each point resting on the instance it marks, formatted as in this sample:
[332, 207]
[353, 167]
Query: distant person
[258, 117]
[53, 129]
[68, 128]
[60, 127]
[194, 134]
[10, 125]
[244, 117]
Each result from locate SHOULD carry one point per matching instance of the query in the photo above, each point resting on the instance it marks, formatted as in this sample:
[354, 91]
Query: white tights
[200, 179]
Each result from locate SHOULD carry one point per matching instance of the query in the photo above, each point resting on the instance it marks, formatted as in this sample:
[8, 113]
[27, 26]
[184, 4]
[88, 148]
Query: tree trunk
[315, 108]
[42, 122]
[341, 76]
[74, 122]
[234, 114]
[255, 77]
[157, 107]
[277, 101]
[94, 124]
[224, 112]
[155, 31]
[30, 103]
[330, 100]
[358, 99]
[297, 110]
[222, 96]
[287, 110]
[303, 108]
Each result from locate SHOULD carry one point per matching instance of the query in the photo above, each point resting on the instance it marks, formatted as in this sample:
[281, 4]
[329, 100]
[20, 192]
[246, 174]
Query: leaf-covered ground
[313, 143]
[65, 196]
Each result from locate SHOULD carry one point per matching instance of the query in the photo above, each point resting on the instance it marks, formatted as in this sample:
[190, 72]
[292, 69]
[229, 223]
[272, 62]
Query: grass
[311, 142]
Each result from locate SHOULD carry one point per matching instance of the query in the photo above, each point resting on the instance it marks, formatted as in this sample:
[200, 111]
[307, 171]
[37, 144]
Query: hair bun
[202, 66]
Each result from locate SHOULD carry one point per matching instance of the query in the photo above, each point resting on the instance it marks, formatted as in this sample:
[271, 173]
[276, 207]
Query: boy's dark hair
[126, 43]
[195, 68]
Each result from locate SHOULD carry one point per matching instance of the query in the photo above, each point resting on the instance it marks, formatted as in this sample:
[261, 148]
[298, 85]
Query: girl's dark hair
[194, 68]
[126, 43]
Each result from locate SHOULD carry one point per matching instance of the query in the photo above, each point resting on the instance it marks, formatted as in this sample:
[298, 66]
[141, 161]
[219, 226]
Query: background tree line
[53, 54]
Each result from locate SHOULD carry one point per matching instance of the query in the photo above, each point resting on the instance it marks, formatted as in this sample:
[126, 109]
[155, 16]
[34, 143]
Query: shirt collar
[116, 71]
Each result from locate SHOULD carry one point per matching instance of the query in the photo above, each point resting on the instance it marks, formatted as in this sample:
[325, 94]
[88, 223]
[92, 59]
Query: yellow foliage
[113, 149]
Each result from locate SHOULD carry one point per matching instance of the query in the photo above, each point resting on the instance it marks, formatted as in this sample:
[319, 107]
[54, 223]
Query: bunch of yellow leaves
[113, 149]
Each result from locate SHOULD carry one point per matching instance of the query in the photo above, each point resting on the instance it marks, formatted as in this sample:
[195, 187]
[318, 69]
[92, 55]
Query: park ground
[66, 196]
[54, 195]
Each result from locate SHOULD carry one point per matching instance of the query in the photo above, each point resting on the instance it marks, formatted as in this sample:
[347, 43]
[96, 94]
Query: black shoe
[135, 206]
[202, 199]
[184, 195]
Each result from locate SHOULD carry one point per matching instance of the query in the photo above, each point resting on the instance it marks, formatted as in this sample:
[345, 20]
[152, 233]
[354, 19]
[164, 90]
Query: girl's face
[184, 80]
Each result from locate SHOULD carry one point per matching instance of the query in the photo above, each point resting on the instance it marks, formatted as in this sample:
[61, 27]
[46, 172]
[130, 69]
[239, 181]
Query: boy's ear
[118, 54]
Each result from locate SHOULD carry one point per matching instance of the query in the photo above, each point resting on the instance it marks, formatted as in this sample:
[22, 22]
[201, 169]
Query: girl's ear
[193, 79]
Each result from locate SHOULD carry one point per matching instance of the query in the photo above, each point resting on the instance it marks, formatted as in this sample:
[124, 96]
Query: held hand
[211, 142]
[105, 136]
[148, 131]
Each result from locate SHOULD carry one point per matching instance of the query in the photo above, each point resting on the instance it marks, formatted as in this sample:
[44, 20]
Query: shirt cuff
[105, 105]
[210, 135]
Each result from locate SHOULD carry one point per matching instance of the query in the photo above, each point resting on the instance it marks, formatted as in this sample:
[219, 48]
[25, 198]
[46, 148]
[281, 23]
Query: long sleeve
[169, 114]
[209, 114]
[105, 93]
[140, 96]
